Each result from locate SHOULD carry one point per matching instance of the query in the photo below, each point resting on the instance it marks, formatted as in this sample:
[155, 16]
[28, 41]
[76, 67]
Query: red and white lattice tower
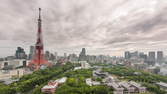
[39, 58]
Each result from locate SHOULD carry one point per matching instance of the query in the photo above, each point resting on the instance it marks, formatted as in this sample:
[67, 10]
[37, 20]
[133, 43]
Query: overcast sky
[101, 26]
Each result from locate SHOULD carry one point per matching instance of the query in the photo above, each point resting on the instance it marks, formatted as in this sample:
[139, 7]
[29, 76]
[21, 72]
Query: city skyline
[20, 53]
[70, 26]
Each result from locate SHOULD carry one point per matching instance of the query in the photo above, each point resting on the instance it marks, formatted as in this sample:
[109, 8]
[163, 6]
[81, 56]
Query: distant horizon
[61, 53]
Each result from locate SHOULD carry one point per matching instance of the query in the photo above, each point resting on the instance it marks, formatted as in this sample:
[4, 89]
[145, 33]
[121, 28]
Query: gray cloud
[103, 27]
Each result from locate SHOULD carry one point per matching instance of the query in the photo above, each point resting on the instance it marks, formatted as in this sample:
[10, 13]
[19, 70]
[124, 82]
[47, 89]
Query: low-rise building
[77, 68]
[52, 85]
[8, 74]
[11, 64]
[62, 80]
[126, 87]
[109, 79]
[90, 82]
[162, 85]
[138, 87]
[84, 64]
[50, 88]
[99, 73]
[117, 88]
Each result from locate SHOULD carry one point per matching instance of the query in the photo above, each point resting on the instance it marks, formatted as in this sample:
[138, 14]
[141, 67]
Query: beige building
[127, 87]
[7, 74]
[13, 63]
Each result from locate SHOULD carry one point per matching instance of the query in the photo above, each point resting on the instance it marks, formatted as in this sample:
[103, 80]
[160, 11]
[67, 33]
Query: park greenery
[31, 81]
[75, 84]
[78, 86]
[147, 79]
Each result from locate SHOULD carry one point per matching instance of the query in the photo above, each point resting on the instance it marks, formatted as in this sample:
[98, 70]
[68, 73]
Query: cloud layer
[101, 26]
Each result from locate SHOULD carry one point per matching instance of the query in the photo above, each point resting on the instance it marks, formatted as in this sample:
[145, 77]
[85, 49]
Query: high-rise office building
[159, 56]
[151, 58]
[47, 55]
[20, 53]
[65, 55]
[91, 58]
[127, 55]
[32, 52]
[142, 55]
[52, 57]
[82, 55]
[73, 57]
[56, 56]
[134, 54]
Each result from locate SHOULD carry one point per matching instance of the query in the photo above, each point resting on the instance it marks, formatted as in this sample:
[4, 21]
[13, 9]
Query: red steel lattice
[39, 59]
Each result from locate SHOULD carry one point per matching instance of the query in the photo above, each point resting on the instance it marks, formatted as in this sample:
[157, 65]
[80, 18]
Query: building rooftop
[125, 84]
[90, 82]
[162, 84]
[115, 86]
[50, 86]
[61, 80]
[54, 84]
[135, 84]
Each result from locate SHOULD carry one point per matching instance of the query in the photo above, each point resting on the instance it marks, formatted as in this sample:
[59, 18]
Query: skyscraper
[56, 56]
[47, 55]
[65, 55]
[127, 55]
[134, 54]
[142, 55]
[32, 52]
[159, 56]
[82, 55]
[151, 58]
[20, 53]
[73, 57]
[52, 57]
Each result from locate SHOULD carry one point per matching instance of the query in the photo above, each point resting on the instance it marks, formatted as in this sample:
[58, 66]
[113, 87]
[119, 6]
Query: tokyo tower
[38, 60]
